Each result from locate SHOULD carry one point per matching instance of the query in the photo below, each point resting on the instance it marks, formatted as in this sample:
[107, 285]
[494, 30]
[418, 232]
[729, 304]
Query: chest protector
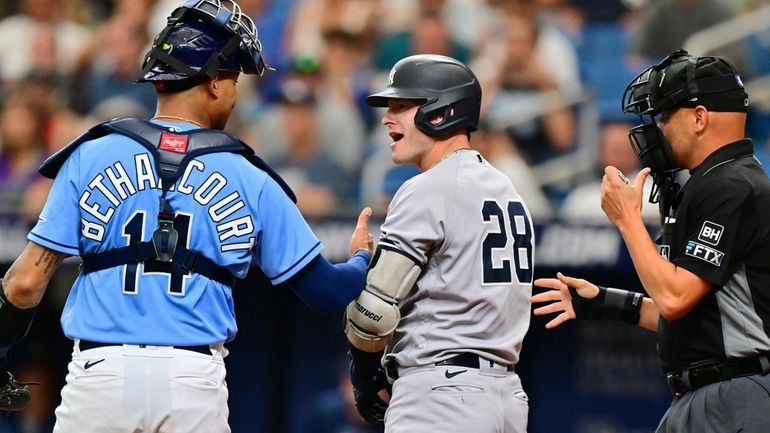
[171, 151]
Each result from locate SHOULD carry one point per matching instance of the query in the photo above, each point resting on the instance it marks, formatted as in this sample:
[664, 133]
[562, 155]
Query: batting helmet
[201, 38]
[446, 86]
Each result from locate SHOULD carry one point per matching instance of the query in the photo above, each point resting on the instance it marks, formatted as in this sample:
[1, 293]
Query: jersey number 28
[520, 231]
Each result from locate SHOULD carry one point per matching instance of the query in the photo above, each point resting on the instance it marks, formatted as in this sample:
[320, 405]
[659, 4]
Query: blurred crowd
[552, 71]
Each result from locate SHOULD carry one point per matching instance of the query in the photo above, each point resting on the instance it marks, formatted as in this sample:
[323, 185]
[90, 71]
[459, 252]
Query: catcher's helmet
[201, 38]
[447, 87]
[679, 80]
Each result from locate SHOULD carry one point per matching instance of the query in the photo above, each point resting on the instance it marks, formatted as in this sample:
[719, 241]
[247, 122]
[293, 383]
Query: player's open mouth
[395, 136]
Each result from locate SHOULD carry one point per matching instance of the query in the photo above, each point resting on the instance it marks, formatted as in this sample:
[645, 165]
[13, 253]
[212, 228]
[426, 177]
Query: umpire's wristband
[611, 304]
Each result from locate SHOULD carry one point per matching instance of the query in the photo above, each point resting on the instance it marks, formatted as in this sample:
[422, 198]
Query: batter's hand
[370, 405]
[362, 239]
[620, 199]
[369, 381]
[560, 298]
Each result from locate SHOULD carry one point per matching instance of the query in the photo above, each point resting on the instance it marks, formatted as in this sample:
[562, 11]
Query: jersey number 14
[521, 232]
[133, 230]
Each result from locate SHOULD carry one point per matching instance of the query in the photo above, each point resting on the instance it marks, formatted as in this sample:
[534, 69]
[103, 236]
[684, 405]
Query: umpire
[709, 277]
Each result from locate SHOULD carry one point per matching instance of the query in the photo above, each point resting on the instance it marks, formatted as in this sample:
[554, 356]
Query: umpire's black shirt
[720, 231]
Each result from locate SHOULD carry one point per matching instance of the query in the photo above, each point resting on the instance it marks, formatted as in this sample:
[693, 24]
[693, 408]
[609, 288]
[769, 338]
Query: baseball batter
[447, 296]
[166, 214]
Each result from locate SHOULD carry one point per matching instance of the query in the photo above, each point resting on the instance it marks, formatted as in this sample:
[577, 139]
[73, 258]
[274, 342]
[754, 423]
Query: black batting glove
[368, 378]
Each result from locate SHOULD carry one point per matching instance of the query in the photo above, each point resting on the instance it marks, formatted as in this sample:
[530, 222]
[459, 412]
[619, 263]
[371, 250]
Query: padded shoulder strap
[172, 150]
[53, 163]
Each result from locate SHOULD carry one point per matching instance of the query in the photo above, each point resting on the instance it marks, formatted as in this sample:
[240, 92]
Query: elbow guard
[14, 321]
[370, 322]
[373, 316]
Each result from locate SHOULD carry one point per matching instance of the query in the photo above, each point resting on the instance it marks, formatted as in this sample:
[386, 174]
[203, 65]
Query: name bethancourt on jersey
[100, 202]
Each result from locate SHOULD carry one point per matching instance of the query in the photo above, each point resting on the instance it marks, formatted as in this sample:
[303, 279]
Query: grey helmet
[447, 87]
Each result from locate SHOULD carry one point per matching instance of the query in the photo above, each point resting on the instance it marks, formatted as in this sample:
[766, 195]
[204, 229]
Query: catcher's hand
[14, 395]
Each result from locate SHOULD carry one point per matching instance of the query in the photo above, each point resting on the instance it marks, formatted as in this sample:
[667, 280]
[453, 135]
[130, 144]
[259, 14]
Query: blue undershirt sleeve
[328, 288]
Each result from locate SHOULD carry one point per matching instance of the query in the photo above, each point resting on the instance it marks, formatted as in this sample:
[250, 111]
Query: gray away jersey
[464, 222]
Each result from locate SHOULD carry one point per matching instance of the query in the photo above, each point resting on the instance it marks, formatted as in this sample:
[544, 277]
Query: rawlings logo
[173, 142]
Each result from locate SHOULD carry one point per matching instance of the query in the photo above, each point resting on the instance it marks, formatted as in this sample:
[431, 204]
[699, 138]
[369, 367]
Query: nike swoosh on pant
[449, 375]
[90, 364]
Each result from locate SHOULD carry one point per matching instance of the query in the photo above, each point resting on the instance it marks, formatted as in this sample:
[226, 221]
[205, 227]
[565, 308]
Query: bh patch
[711, 233]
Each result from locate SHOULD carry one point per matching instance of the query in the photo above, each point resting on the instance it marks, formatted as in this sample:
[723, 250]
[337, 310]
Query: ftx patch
[705, 253]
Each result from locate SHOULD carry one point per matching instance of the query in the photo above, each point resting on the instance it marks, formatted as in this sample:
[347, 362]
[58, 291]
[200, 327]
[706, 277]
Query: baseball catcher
[166, 214]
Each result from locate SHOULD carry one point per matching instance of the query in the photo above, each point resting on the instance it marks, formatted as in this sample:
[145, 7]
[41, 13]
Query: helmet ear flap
[457, 113]
[422, 120]
[426, 118]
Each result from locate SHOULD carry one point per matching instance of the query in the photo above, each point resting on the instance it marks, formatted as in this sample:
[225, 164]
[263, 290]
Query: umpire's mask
[679, 80]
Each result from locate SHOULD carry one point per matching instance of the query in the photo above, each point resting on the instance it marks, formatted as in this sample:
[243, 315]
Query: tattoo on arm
[48, 260]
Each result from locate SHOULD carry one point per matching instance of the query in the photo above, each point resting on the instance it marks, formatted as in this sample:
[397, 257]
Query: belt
[692, 378]
[86, 345]
[468, 360]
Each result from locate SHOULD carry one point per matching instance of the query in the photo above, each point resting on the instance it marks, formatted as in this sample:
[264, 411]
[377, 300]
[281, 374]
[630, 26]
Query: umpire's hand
[621, 199]
[560, 297]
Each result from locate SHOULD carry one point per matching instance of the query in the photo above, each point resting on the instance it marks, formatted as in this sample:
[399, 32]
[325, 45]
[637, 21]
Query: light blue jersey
[106, 196]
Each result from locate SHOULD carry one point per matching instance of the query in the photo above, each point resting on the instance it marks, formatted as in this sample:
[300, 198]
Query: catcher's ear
[212, 86]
